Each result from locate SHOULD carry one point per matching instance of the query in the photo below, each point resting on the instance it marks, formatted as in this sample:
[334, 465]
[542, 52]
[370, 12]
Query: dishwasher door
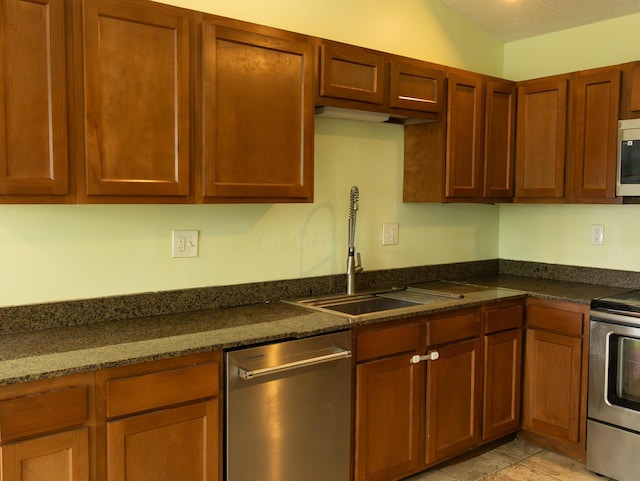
[288, 411]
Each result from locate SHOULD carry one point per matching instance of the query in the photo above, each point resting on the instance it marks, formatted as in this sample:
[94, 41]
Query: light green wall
[604, 43]
[560, 233]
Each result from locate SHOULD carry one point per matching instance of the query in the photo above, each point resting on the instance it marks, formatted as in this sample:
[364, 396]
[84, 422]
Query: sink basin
[366, 303]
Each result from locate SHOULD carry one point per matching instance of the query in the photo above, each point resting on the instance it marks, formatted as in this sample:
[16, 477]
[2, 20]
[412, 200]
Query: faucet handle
[359, 267]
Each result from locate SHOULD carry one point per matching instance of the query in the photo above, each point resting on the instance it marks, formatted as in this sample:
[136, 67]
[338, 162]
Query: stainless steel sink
[366, 303]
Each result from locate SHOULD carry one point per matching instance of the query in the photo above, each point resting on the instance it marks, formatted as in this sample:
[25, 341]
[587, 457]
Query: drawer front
[155, 390]
[503, 318]
[455, 327]
[385, 342]
[40, 413]
[562, 321]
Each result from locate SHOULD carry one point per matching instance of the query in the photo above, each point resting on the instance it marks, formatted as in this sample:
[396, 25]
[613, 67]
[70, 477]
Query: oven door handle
[252, 374]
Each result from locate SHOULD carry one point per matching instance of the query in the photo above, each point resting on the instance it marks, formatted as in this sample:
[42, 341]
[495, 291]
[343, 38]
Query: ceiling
[516, 19]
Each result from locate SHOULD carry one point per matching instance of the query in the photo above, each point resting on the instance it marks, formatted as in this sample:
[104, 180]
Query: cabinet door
[502, 383]
[499, 139]
[351, 73]
[179, 443]
[33, 101]
[453, 400]
[595, 141]
[136, 58]
[464, 136]
[415, 87]
[257, 113]
[387, 419]
[630, 100]
[552, 383]
[541, 139]
[60, 457]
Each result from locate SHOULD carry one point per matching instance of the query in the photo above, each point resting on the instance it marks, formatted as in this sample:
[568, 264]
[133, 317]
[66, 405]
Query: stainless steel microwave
[628, 173]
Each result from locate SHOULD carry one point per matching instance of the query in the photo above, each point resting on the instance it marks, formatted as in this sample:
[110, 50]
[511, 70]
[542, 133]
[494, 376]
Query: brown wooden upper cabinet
[596, 104]
[33, 102]
[137, 109]
[630, 101]
[567, 137]
[255, 113]
[358, 78]
[541, 139]
[470, 157]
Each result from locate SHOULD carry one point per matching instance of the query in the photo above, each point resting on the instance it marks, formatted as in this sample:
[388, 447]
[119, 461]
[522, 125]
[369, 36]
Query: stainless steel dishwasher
[288, 410]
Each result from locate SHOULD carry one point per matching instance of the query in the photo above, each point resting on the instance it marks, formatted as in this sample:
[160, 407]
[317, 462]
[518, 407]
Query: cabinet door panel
[502, 383]
[596, 101]
[453, 400]
[257, 113]
[33, 101]
[179, 443]
[351, 73]
[499, 139]
[59, 457]
[137, 99]
[415, 87]
[630, 101]
[464, 140]
[541, 139]
[552, 384]
[387, 409]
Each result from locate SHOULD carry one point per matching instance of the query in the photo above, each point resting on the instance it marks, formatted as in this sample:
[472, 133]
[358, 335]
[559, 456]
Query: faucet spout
[354, 264]
[353, 267]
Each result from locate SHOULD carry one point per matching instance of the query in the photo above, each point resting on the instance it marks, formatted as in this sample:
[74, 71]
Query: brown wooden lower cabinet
[413, 410]
[555, 376]
[178, 443]
[502, 358]
[453, 400]
[160, 420]
[60, 457]
[44, 429]
[387, 439]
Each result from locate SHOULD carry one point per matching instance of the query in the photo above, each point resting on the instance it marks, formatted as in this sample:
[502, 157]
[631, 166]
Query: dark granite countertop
[57, 351]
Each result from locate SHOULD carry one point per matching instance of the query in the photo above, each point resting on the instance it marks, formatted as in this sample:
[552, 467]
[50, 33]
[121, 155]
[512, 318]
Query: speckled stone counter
[64, 349]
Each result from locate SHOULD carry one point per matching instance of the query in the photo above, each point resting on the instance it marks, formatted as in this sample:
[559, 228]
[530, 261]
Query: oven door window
[630, 162]
[623, 387]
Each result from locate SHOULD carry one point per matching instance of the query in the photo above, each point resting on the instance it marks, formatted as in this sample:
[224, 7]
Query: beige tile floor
[514, 461]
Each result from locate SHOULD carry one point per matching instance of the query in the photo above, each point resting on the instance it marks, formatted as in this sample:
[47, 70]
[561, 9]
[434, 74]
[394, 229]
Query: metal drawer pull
[244, 374]
[432, 356]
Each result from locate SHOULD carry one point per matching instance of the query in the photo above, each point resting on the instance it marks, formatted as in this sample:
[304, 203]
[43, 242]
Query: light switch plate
[184, 243]
[389, 234]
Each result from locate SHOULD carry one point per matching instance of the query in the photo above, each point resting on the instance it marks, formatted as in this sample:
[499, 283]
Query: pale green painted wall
[604, 43]
[560, 233]
[79, 251]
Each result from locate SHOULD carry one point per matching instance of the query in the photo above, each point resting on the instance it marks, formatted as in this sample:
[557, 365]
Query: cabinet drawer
[462, 325]
[154, 390]
[384, 342]
[39, 413]
[351, 73]
[503, 318]
[563, 321]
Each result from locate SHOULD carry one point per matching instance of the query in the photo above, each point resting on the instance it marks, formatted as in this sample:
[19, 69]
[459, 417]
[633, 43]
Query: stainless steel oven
[613, 417]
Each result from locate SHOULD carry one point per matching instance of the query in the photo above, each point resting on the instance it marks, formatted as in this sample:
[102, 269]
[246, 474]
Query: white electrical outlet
[597, 234]
[389, 234]
[184, 243]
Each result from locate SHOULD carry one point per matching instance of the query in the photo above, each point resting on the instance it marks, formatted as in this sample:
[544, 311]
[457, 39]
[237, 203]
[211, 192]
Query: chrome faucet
[353, 259]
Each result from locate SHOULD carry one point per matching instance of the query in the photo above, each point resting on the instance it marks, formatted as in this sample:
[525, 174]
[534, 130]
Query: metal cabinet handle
[247, 374]
[432, 356]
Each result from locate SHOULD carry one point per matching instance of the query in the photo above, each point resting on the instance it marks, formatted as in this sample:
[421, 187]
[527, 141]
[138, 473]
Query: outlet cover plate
[597, 234]
[184, 243]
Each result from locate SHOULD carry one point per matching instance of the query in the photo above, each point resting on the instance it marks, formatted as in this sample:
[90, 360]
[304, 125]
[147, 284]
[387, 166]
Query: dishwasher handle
[248, 374]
